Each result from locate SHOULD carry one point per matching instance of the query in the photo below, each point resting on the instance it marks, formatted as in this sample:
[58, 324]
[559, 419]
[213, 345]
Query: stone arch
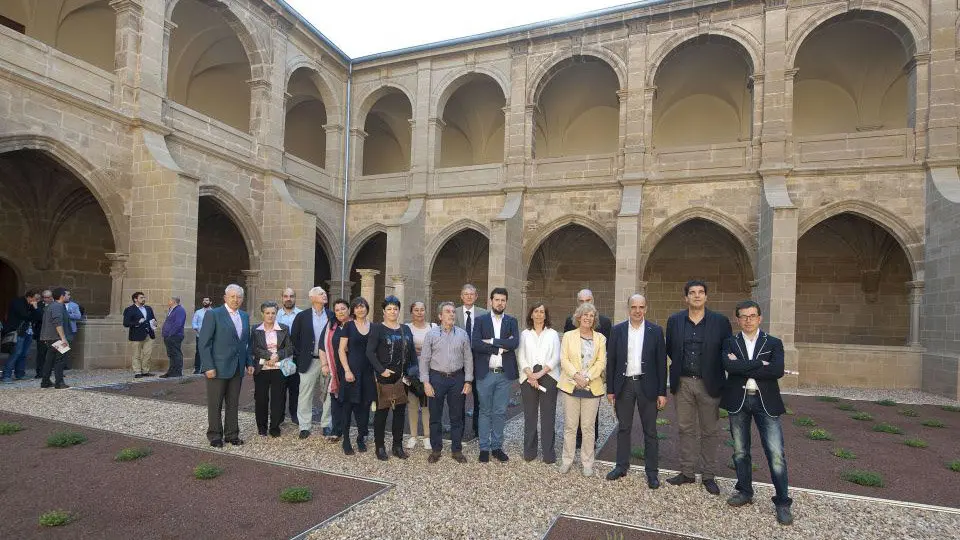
[448, 232]
[457, 78]
[537, 77]
[746, 40]
[321, 79]
[371, 98]
[361, 238]
[471, 108]
[101, 183]
[531, 246]
[725, 222]
[906, 236]
[327, 239]
[241, 218]
[257, 51]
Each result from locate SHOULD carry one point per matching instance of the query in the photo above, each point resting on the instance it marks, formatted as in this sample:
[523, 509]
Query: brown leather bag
[391, 394]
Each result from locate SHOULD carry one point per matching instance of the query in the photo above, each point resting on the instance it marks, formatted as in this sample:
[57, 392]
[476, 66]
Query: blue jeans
[17, 361]
[771, 437]
[494, 391]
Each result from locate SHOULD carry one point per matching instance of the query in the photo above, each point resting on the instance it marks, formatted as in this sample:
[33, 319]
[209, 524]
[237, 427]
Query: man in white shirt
[196, 323]
[291, 384]
[466, 317]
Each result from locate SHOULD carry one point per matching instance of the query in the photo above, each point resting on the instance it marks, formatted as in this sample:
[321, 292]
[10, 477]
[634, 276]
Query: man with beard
[495, 338]
[196, 324]
[291, 384]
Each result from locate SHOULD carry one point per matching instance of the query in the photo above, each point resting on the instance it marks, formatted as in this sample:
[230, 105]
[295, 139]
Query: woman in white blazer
[538, 358]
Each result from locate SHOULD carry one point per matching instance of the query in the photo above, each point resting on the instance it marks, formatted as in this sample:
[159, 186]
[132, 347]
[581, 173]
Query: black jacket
[20, 316]
[740, 368]
[301, 335]
[258, 345]
[653, 359]
[378, 352]
[138, 331]
[711, 365]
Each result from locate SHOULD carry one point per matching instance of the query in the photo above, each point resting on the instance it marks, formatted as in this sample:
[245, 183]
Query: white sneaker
[411, 443]
[588, 471]
[426, 443]
[565, 468]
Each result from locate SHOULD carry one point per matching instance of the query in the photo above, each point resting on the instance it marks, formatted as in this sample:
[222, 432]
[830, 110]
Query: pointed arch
[448, 232]
[725, 222]
[241, 218]
[531, 246]
[361, 238]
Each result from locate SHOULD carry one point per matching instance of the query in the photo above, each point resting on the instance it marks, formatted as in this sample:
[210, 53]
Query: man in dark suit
[603, 326]
[465, 317]
[224, 356]
[307, 334]
[495, 339]
[142, 325]
[754, 361]
[637, 377]
[695, 338]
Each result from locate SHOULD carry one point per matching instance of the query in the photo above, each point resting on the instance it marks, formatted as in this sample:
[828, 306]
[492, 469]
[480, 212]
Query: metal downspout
[346, 185]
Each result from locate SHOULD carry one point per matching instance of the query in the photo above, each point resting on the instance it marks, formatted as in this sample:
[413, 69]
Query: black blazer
[378, 353]
[138, 331]
[740, 368]
[716, 332]
[303, 339]
[653, 359]
[509, 340]
[258, 341]
[604, 326]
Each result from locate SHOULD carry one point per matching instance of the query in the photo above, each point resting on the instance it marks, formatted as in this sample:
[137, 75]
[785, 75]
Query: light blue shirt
[198, 318]
[287, 318]
[319, 323]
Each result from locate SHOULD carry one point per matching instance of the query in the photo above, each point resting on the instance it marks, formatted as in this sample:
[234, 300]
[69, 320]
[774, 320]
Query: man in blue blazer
[494, 341]
[140, 321]
[224, 356]
[637, 378]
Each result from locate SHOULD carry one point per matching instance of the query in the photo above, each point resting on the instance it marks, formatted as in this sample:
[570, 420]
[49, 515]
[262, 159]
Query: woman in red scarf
[341, 310]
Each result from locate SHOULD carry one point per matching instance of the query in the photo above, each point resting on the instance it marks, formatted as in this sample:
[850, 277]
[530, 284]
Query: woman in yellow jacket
[583, 357]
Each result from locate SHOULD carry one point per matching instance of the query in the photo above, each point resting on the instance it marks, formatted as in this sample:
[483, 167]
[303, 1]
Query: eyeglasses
[751, 317]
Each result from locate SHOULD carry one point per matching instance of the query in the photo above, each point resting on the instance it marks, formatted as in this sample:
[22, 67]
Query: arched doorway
[322, 271]
[222, 252]
[10, 287]
[372, 255]
[464, 258]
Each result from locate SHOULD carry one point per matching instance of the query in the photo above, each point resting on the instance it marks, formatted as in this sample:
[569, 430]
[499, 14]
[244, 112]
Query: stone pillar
[771, 108]
[398, 281]
[915, 299]
[518, 133]
[334, 155]
[126, 54]
[289, 242]
[405, 247]
[524, 306]
[628, 243]
[368, 283]
[633, 102]
[251, 292]
[649, 160]
[506, 246]
[435, 137]
[422, 148]
[118, 269]
[260, 128]
[338, 289]
[357, 137]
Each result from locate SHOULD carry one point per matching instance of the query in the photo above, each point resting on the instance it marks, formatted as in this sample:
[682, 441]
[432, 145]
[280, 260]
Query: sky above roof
[363, 27]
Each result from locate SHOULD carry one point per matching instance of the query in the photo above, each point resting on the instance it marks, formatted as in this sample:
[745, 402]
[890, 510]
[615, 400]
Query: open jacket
[740, 368]
[259, 345]
[570, 362]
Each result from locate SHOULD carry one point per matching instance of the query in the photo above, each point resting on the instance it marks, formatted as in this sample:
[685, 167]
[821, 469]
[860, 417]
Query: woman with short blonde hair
[583, 357]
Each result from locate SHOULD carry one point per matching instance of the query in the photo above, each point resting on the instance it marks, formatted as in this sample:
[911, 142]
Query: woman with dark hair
[358, 390]
[416, 398]
[538, 358]
[271, 344]
[390, 351]
[341, 312]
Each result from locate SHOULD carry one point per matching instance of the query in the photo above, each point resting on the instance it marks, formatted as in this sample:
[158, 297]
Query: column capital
[332, 128]
[123, 6]
[358, 132]
[250, 273]
[397, 279]
[367, 272]
[259, 84]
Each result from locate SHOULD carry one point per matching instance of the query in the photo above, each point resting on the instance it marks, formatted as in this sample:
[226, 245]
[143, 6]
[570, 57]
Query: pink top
[271, 336]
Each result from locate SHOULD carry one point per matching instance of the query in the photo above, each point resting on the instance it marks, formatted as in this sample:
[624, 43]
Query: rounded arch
[531, 246]
[914, 36]
[448, 232]
[750, 45]
[321, 80]
[457, 78]
[361, 238]
[241, 218]
[6, 259]
[909, 240]
[326, 236]
[101, 183]
[725, 222]
[536, 78]
[257, 51]
[371, 98]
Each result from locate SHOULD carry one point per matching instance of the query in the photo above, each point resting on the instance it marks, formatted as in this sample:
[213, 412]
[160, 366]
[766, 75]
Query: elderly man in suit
[637, 378]
[495, 339]
[310, 353]
[754, 361]
[466, 318]
[224, 356]
[695, 338]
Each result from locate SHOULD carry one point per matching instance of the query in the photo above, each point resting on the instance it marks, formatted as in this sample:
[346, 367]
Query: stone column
[398, 281]
[771, 108]
[524, 305]
[518, 135]
[649, 93]
[289, 242]
[628, 243]
[506, 248]
[422, 148]
[635, 142]
[260, 109]
[334, 155]
[435, 137]
[358, 136]
[118, 269]
[251, 292]
[368, 283]
[126, 53]
[338, 289]
[915, 299]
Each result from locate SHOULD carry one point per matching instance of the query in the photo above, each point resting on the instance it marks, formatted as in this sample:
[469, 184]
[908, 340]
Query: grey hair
[468, 287]
[176, 299]
[584, 292]
[635, 296]
[269, 304]
[444, 304]
[582, 309]
[233, 287]
[316, 291]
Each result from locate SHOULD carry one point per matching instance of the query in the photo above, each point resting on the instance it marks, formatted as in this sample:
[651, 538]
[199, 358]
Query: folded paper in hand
[61, 346]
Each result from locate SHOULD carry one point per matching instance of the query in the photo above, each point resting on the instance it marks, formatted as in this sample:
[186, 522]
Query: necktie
[469, 325]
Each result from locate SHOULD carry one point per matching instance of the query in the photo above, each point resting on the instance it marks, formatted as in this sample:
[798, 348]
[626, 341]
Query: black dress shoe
[784, 515]
[616, 473]
[459, 457]
[137, 375]
[549, 461]
[275, 432]
[711, 486]
[361, 445]
[262, 432]
[165, 375]
[398, 451]
[739, 499]
[653, 482]
[680, 479]
[382, 453]
[434, 457]
[61, 386]
[217, 443]
[46, 385]
[347, 448]
[147, 374]
[484, 456]
[500, 455]
[304, 434]
[235, 442]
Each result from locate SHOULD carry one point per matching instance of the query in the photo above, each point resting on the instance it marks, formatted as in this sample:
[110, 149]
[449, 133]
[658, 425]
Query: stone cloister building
[803, 153]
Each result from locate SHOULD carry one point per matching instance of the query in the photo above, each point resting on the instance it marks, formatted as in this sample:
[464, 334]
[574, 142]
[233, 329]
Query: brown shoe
[459, 457]
[433, 457]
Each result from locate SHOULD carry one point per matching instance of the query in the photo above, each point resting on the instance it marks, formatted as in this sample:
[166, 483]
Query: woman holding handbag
[271, 345]
[359, 389]
[390, 351]
[416, 398]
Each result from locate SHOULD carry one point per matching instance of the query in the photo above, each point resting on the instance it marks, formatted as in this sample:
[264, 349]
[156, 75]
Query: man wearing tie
[637, 377]
[466, 317]
[496, 336]
[224, 356]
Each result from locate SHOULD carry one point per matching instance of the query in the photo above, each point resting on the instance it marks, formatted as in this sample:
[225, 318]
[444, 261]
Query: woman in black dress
[341, 312]
[391, 352]
[359, 389]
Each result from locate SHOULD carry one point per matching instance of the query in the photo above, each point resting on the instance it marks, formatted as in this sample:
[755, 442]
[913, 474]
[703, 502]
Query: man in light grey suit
[224, 356]
[466, 317]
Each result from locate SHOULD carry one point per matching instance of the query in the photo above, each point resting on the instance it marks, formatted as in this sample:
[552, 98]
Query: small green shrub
[64, 439]
[724, 413]
[909, 412]
[916, 443]
[933, 422]
[846, 407]
[638, 452]
[843, 453]
[788, 411]
[131, 454]
[296, 495]
[828, 399]
[55, 518]
[805, 421]
[886, 402]
[954, 465]
[862, 416]
[950, 408]
[819, 435]
[207, 471]
[9, 428]
[663, 422]
[888, 428]
[863, 478]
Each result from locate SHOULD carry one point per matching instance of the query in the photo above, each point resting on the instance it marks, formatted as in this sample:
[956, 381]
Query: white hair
[316, 291]
[235, 288]
[468, 287]
[584, 292]
[635, 296]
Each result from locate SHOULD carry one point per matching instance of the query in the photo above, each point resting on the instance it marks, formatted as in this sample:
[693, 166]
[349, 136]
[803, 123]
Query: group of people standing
[411, 371]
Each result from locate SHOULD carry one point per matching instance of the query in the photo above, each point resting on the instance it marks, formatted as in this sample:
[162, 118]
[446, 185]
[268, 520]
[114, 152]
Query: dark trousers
[222, 392]
[336, 416]
[544, 403]
[396, 428]
[361, 416]
[449, 389]
[632, 397]
[771, 438]
[173, 345]
[55, 362]
[291, 391]
[41, 357]
[268, 396]
[196, 356]
[476, 411]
